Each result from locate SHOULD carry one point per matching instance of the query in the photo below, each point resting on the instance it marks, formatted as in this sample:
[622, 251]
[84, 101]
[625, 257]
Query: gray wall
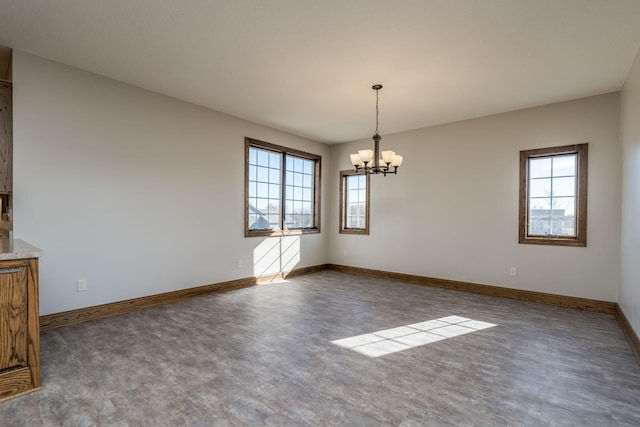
[629, 299]
[140, 194]
[452, 211]
[136, 192]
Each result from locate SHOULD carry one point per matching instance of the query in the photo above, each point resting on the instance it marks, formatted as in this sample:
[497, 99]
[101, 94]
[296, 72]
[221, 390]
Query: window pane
[263, 157]
[566, 204]
[540, 187]
[564, 186]
[564, 165]
[540, 203]
[263, 190]
[263, 174]
[540, 168]
[262, 205]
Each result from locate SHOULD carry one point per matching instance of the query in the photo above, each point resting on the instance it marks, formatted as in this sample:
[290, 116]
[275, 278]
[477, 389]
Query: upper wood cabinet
[6, 138]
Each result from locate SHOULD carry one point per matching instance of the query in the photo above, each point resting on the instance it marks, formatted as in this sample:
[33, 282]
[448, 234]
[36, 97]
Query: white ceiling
[307, 66]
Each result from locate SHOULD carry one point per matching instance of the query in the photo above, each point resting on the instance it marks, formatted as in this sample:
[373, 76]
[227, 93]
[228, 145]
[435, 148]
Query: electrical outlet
[513, 272]
[82, 285]
[239, 263]
[345, 252]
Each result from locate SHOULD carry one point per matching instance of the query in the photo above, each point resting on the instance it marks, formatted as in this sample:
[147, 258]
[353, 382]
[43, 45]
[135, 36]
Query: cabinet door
[6, 138]
[13, 317]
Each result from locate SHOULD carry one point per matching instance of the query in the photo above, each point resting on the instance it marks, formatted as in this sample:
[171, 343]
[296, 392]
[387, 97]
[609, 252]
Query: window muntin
[354, 202]
[282, 189]
[553, 195]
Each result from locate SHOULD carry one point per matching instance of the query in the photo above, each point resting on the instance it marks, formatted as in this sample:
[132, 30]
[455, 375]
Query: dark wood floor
[264, 356]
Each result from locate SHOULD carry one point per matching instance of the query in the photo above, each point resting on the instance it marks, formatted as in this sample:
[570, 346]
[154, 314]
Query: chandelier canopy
[370, 161]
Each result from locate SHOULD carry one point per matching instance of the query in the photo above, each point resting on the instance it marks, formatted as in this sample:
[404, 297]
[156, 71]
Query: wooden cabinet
[6, 137]
[19, 327]
[6, 159]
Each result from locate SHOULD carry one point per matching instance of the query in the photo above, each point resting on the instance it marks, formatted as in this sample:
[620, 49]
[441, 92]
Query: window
[282, 190]
[553, 196]
[354, 202]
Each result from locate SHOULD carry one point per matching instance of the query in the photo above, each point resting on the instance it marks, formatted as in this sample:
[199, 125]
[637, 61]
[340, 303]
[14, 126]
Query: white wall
[629, 299]
[452, 211]
[133, 191]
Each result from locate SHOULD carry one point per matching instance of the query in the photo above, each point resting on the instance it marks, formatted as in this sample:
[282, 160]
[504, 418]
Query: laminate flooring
[294, 354]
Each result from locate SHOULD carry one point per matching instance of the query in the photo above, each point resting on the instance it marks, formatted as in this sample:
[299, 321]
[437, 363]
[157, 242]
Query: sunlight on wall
[276, 256]
[402, 338]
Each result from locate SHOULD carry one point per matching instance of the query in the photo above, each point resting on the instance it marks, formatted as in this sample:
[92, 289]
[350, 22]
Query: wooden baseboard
[629, 333]
[497, 291]
[56, 320]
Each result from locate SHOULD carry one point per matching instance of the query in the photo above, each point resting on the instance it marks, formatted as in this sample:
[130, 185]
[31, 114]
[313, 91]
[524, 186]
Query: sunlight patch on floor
[393, 340]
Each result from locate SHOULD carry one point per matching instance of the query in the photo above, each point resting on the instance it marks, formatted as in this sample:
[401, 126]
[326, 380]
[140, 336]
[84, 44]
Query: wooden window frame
[581, 151]
[343, 182]
[283, 151]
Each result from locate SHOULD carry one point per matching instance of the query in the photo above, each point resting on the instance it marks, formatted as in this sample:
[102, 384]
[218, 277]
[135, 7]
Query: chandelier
[370, 161]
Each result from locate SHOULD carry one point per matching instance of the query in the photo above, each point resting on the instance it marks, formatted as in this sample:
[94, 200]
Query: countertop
[17, 249]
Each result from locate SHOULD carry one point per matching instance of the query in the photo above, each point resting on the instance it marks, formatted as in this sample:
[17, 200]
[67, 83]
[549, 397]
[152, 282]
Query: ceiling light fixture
[365, 161]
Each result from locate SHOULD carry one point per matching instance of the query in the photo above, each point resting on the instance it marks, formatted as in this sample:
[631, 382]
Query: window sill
[359, 231]
[553, 241]
[281, 233]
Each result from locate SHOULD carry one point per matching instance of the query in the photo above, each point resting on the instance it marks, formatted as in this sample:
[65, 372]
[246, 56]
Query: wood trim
[33, 321]
[497, 291]
[283, 151]
[582, 151]
[629, 333]
[57, 320]
[343, 183]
